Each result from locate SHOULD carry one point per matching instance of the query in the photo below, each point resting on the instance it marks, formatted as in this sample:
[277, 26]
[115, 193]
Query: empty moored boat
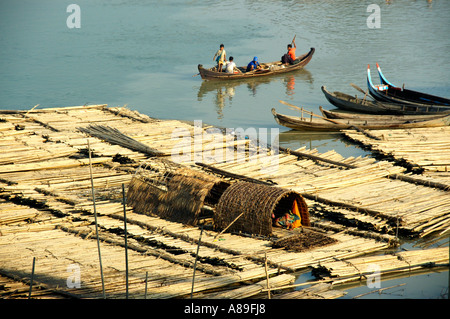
[365, 105]
[388, 92]
[325, 124]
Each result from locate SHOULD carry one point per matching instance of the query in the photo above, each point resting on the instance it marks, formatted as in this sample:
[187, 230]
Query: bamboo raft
[428, 150]
[47, 213]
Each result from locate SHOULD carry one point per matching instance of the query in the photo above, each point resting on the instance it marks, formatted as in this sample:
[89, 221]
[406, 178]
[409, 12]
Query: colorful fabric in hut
[290, 220]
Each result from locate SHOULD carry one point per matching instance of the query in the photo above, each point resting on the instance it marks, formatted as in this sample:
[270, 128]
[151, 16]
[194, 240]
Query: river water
[144, 54]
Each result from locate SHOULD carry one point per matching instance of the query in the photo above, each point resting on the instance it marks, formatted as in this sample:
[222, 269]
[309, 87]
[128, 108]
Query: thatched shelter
[252, 208]
[173, 192]
[178, 193]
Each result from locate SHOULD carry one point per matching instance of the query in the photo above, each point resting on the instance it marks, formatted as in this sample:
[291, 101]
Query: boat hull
[379, 117]
[322, 124]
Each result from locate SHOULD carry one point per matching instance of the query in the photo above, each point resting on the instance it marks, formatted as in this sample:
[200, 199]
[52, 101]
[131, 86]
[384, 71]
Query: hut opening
[173, 192]
[255, 209]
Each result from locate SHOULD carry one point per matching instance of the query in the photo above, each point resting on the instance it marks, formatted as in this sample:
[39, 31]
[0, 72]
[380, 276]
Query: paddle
[358, 88]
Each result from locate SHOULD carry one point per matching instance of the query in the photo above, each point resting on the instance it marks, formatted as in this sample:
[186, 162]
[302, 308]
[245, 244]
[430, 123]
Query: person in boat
[289, 57]
[230, 66]
[253, 65]
[220, 57]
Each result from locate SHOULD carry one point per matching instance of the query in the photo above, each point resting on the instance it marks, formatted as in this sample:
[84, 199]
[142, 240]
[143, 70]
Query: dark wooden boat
[388, 92]
[267, 69]
[324, 124]
[379, 117]
[365, 105]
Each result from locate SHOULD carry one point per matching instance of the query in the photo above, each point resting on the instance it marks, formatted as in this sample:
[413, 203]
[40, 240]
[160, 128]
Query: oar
[357, 88]
[298, 108]
[361, 90]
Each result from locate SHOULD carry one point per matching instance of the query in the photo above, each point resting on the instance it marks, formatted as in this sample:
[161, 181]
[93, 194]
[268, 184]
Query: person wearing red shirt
[291, 50]
[289, 57]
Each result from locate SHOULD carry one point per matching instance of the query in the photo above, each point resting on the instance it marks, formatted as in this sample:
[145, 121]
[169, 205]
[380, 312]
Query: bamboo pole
[96, 222]
[196, 258]
[31, 109]
[32, 277]
[378, 290]
[307, 283]
[215, 237]
[146, 284]
[267, 275]
[126, 241]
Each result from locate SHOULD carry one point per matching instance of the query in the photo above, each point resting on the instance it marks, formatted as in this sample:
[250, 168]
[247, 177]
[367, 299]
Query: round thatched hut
[252, 208]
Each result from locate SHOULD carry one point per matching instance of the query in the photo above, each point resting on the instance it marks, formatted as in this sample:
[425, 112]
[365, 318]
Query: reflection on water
[299, 139]
[224, 91]
[322, 141]
[296, 139]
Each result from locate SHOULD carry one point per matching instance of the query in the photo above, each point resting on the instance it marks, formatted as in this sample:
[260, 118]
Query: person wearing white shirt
[230, 66]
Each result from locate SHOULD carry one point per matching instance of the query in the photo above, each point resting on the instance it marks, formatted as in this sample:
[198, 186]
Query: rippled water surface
[144, 54]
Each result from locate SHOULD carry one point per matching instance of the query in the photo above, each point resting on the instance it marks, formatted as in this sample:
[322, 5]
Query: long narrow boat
[388, 92]
[324, 124]
[269, 68]
[378, 117]
[365, 105]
